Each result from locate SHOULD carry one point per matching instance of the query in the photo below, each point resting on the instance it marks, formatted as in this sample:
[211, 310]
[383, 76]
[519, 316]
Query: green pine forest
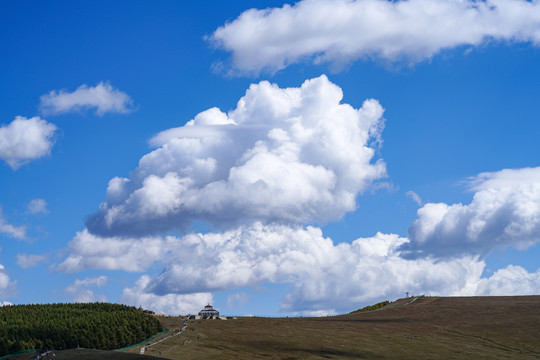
[65, 326]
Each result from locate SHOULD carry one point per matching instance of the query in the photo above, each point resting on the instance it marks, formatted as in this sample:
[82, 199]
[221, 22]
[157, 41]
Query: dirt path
[168, 337]
[390, 306]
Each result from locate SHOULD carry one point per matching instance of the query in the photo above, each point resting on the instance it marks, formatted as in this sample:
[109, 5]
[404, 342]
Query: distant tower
[407, 294]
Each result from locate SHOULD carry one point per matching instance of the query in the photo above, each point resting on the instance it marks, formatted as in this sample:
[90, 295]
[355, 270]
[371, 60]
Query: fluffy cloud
[283, 159]
[87, 251]
[81, 292]
[505, 211]
[170, 304]
[341, 31]
[324, 277]
[512, 280]
[18, 232]
[37, 206]
[292, 155]
[103, 97]
[26, 261]
[6, 285]
[25, 139]
[4, 279]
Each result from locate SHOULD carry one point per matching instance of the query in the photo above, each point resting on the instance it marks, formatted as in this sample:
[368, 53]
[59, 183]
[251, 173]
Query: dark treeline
[64, 326]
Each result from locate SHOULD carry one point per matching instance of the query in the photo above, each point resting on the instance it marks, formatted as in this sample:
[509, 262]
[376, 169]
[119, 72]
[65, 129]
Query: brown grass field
[429, 328]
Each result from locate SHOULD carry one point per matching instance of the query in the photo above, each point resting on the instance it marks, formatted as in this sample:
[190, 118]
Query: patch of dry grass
[430, 328]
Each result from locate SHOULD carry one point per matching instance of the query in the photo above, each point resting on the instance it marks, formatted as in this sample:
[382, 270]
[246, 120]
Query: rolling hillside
[429, 328]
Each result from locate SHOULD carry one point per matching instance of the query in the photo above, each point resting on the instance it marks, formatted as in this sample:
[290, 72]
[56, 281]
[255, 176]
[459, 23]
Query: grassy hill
[428, 328]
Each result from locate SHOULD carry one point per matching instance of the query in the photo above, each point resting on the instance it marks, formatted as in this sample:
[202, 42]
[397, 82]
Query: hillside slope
[429, 328]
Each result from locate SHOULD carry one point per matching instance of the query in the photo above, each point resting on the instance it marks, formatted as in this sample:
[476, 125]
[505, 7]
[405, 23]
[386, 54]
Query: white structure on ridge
[208, 312]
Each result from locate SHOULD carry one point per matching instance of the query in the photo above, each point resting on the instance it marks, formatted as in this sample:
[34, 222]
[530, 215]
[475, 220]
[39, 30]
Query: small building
[209, 312]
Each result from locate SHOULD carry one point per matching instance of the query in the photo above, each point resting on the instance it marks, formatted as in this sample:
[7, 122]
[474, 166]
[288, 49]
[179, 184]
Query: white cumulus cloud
[17, 232]
[81, 291]
[7, 286]
[512, 280]
[4, 279]
[293, 155]
[87, 251]
[170, 304]
[342, 31]
[282, 160]
[103, 97]
[505, 211]
[324, 277]
[24, 140]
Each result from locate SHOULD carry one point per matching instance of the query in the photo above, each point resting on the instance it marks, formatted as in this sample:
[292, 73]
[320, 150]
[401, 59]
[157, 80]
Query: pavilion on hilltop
[208, 312]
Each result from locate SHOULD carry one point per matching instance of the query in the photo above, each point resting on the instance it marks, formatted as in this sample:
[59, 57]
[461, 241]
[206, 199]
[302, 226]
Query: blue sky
[292, 194]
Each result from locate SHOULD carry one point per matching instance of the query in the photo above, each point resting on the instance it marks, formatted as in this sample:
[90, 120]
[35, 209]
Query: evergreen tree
[61, 326]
